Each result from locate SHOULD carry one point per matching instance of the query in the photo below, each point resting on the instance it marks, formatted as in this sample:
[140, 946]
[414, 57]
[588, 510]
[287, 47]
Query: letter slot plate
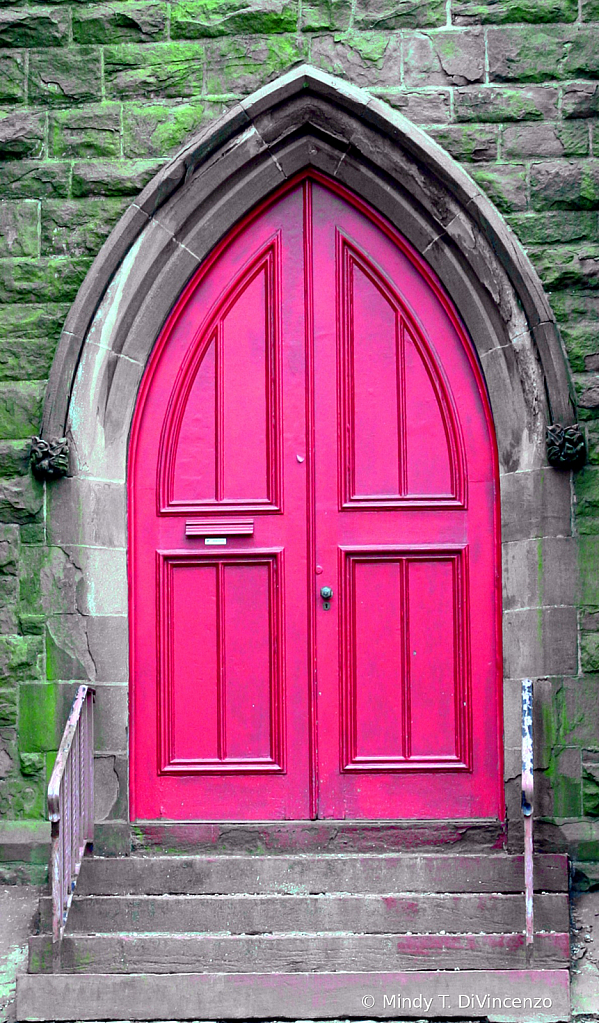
[219, 527]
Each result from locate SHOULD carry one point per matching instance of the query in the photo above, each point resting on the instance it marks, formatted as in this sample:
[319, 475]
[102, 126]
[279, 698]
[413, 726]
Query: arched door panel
[313, 416]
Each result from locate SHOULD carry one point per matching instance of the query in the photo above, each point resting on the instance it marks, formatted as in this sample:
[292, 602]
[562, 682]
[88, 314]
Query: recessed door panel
[313, 529]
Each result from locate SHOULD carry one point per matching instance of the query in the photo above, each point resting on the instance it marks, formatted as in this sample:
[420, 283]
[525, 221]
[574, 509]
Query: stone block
[12, 77]
[112, 839]
[587, 502]
[505, 184]
[544, 140]
[67, 652]
[110, 788]
[156, 69]
[589, 651]
[582, 345]
[241, 64]
[21, 659]
[592, 437]
[587, 393]
[444, 58]
[581, 59]
[495, 104]
[34, 321]
[590, 10]
[22, 798]
[383, 15]
[43, 712]
[554, 227]
[108, 571]
[195, 19]
[523, 53]
[157, 130]
[421, 106]
[29, 359]
[108, 642]
[588, 560]
[25, 179]
[325, 15]
[540, 641]
[78, 227]
[536, 503]
[487, 12]
[565, 184]
[8, 707]
[63, 77]
[590, 789]
[577, 710]
[566, 783]
[34, 26]
[91, 132]
[52, 279]
[19, 229]
[87, 512]
[567, 266]
[540, 572]
[118, 177]
[574, 305]
[119, 22]
[21, 134]
[111, 712]
[580, 99]
[24, 840]
[21, 499]
[468, 142]
[20, 409]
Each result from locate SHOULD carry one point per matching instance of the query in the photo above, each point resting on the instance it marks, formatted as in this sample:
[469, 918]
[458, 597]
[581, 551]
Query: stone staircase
[304, 936]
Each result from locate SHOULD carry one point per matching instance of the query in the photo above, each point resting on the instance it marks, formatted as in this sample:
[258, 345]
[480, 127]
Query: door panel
[313, 416]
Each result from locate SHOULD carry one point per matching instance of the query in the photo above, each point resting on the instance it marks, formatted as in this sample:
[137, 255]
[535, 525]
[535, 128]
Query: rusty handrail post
[527, 810]
[71, 810]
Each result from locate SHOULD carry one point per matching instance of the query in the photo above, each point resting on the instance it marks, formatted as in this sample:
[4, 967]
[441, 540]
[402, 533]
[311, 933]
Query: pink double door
[313, 417]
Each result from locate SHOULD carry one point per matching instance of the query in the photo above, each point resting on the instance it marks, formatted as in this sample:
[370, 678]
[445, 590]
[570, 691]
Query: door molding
[306, 119]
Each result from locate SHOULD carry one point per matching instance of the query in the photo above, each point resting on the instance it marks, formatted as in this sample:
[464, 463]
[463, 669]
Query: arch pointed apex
[306, 119]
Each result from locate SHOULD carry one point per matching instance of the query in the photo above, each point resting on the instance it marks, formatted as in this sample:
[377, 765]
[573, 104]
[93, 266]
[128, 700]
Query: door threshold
[254, 837]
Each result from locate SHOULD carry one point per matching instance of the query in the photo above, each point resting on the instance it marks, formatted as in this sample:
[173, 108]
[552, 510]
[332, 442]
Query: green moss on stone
[391, 14]
[77, 227]
[119, 22]
[195, 19]
[92, 132]
[154, 70]
[19, 228]
[20, 409]
[504, 184]
[239, 65]
[466, 12]
[555, 227]
[158, 130]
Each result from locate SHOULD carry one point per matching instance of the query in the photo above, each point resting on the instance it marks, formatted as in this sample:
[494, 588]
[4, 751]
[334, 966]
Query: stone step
[312, 874]
[293, 953]
[322, 836]
[259, 914]
[521, 996]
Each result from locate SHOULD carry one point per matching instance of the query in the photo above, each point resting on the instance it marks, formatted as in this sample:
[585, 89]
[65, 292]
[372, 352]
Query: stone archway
[305, 119]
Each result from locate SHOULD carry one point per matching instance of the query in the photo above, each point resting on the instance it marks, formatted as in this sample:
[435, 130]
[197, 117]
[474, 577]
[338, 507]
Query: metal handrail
[527, 810]
[71, 809]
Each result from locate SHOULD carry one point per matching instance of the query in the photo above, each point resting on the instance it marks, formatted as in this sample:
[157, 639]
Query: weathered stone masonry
[94, 98]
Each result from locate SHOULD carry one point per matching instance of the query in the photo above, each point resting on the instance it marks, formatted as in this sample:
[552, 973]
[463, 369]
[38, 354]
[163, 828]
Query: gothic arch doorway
[314, 598]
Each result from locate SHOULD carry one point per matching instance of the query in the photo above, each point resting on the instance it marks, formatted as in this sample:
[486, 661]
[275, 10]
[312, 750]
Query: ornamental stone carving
[49, 458]
[565, 446]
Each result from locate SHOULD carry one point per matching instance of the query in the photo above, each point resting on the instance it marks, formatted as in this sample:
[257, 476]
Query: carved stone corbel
[566, 448]
[49, 458]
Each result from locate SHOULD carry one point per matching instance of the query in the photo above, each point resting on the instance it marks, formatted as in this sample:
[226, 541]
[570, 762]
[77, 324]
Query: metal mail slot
[219, 527]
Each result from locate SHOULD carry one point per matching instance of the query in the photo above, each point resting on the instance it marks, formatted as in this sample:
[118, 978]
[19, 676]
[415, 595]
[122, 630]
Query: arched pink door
[313, 416]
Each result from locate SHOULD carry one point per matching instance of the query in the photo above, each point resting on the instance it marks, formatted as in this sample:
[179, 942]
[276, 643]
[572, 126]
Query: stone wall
[94, 97]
